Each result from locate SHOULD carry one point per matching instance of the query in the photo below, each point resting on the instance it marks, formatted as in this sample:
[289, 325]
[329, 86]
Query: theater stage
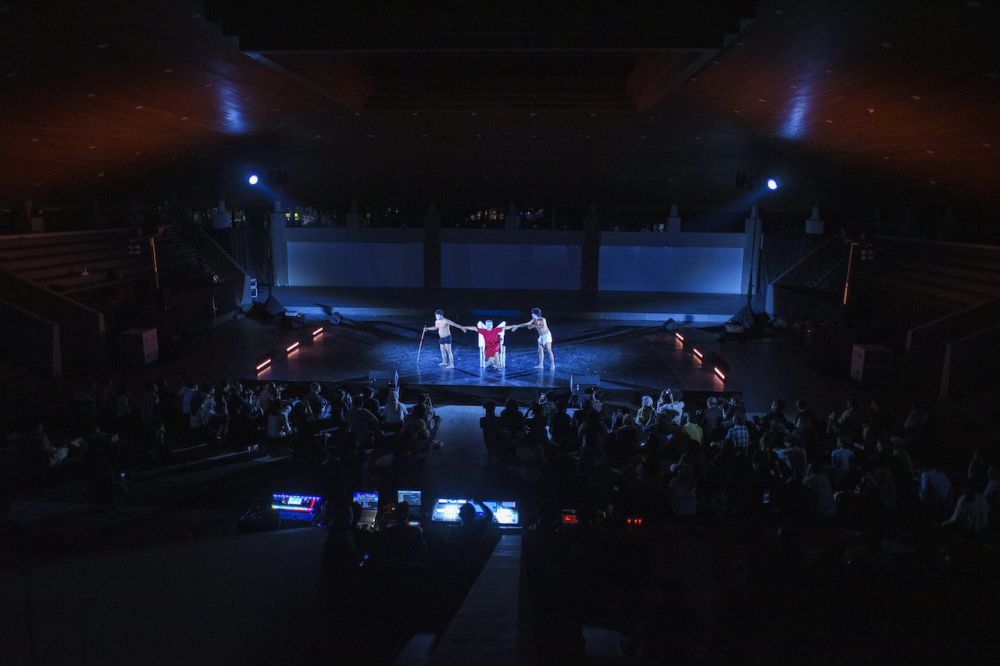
[636, 307]
[629, 360]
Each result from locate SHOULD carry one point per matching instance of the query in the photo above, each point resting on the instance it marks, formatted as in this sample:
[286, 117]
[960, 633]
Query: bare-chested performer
[443, 328]
[538, 323]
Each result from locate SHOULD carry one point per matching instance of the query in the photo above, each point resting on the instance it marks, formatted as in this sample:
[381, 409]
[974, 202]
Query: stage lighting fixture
[263, 362]
[292, 347]
[697, 353]
[318, 332]
[680, 338]
[719, 373]
[772, 184]
[253, 179]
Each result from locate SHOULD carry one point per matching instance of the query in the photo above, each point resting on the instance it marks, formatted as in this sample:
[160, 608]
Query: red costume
[492, 339]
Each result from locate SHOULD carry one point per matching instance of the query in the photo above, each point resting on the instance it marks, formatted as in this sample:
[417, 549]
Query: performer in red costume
[491, 336]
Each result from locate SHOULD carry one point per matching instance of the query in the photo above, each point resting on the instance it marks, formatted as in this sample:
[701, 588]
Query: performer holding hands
[538, 323]
[443, 328]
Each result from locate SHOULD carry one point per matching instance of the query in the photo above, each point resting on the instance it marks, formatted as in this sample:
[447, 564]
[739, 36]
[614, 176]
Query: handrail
[819, 248]
[219, 255]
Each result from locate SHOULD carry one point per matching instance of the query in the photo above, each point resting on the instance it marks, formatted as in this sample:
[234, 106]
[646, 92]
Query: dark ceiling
[116, 99]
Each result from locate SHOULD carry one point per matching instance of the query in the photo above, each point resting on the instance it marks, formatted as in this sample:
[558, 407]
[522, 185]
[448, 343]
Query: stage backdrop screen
[355, 264]
[506, 266]
[706, 270]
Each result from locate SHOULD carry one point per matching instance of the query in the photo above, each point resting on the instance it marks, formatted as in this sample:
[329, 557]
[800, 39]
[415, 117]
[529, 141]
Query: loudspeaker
[273, 307]
[870, 364]
[671, 325]
[383, 378]
[580, 383]
[139, 347]
[336, 318]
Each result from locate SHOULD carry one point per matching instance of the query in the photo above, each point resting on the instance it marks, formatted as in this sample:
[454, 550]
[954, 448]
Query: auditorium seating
[930, 278]
[76, 262]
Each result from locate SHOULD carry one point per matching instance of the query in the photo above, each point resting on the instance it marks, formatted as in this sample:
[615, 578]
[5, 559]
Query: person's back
[682, 492]
[490, 425]
[935, 487]
[511, 418]
[817, 485]
[841, 460]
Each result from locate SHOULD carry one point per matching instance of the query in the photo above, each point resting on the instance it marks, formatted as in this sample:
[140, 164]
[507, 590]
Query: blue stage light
[772, 184]
[253, 179]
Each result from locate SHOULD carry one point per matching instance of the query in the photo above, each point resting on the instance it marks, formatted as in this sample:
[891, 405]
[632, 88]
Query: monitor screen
[367, 499]
[295, 507]
[505, 513]
[446, 510]
[411, 497]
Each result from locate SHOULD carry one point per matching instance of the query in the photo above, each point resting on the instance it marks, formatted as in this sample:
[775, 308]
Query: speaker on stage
[336, 318]
[671, 325]
[383, 378]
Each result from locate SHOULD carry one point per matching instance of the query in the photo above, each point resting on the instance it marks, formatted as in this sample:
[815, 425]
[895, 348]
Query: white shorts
[544, 339]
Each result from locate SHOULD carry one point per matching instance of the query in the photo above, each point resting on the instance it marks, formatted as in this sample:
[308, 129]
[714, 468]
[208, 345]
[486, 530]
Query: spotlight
[318, 332]
[772, 184]
[253, 179]
[292, 347]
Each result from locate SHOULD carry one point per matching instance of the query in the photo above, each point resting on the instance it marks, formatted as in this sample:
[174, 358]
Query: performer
[443, 328]
[491, 335]
[538, 323]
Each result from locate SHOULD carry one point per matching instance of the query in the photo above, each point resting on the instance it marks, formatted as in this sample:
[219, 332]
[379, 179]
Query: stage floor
[626, 358]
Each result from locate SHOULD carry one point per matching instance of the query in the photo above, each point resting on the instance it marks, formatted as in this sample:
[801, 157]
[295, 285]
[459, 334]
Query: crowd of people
[855, 484]
[118, 430]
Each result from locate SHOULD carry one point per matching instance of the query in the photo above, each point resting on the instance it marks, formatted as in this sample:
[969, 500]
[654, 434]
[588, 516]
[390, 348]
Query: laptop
[412, 497]
[446, 510]
[369, 508]
[505, 513]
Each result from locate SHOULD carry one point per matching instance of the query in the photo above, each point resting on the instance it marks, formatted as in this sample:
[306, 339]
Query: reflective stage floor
[640, 359]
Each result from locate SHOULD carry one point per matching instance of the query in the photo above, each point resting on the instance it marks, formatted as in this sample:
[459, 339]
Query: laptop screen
[367, 499]
[411, 497]
[295, 507]
[505, 513]
[446, 510]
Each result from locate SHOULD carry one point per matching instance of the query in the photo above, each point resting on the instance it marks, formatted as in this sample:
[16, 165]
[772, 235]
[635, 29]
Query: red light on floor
[292, 347]
[318, 331]
[697, 353]
[721, 375]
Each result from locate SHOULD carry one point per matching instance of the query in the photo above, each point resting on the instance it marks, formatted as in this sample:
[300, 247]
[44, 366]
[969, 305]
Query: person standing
[538, 323]
[443, 328]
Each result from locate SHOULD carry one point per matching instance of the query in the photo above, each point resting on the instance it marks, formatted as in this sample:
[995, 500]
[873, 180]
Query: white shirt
[973, 515]
[840, 462]
[935, 487]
